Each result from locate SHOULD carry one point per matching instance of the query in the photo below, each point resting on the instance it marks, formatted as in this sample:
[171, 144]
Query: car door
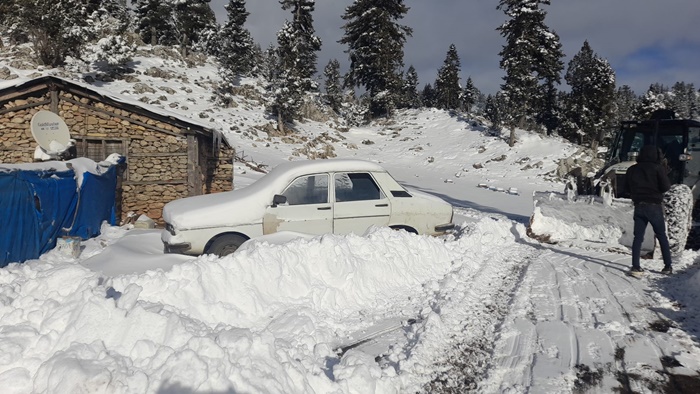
[307, 209]
[359, 203]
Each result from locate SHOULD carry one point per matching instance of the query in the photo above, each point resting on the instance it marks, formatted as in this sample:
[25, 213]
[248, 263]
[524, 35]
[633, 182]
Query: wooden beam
[54, 100]
[16, 94]
[194, 181]
[25, 106]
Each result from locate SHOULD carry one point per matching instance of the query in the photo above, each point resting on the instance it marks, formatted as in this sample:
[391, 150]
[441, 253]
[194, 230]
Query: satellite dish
[50, 131]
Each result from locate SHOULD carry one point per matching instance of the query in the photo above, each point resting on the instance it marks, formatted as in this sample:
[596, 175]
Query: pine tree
[297, 47]
[428, 96]
[375, 47]
[300, 42]
[192, 19]
[592, 97]
[517, 59]
[626, 101]
[531, 59]
[109, 17]
[682, 98]
[447, 86]
[287, 86]
[470, 96]
[334, 94]
[257, 57]
[270, 66]
[55, 29]
[548, 68]
[235, 44]
[410, 96]
[154, 20]
[494, 110]
[479, 107]
[654, 99]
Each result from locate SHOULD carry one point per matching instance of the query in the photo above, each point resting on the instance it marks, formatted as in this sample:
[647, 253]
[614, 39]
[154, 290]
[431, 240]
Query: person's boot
[668, 270]
[637, 272]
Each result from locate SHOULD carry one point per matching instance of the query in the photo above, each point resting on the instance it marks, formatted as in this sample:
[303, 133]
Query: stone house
[167, 156]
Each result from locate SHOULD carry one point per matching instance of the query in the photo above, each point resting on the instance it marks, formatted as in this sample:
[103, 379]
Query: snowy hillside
[485, 309]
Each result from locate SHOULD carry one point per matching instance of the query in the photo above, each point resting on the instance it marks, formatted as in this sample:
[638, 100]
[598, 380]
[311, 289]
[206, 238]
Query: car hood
[236, 207]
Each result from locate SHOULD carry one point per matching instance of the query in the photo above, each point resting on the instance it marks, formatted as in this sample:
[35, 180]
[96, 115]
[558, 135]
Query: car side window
[356, 186]
[305, 190]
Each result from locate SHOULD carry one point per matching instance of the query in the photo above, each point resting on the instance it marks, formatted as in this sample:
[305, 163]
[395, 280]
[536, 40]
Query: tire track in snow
[573, 308]
[465, 321]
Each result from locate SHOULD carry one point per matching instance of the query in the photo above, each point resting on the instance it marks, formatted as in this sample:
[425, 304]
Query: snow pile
[266, 319]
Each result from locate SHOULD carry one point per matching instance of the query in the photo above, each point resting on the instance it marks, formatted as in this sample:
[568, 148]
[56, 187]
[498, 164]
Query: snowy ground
[486, 309]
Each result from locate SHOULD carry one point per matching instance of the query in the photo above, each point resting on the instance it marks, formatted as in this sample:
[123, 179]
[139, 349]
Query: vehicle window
[356, 187]
[311, 189]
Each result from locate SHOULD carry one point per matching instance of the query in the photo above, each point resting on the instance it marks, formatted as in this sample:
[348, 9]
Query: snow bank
[263, 320]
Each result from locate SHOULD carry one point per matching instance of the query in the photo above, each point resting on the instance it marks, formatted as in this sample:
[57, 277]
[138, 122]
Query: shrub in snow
[115, 51]
[678, 207]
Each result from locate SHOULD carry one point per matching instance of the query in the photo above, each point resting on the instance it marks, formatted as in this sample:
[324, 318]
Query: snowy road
[578, 321]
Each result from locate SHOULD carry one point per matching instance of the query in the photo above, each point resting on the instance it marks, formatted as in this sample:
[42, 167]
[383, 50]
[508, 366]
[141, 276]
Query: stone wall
[156, 152]
[16, 142]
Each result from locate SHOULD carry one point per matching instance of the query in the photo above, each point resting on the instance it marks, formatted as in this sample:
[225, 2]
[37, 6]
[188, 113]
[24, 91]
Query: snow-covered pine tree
[110, 21]
[654, 99]
[300, 42]
[297, 47]
[682, 99]
[470, 95]
[692, 100]
[592, 97]
[55, 29]
[479, 106]
[334, 93]
[494, 109]
[257, 57]
[428, 96]
[270, 66]
[518, 57]
[154, 21]
[287, 86]
[447, 88]
[235, 44]
[108, 17]
[375, 43]
[410, 96]
[192, 20]
[548, 68]
[626, 101]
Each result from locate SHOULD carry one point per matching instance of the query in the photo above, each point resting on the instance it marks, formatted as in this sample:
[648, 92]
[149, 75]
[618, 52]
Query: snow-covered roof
[19, 83]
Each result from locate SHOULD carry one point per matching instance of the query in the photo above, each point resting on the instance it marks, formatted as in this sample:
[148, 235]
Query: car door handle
[324, 208]
[381, 205]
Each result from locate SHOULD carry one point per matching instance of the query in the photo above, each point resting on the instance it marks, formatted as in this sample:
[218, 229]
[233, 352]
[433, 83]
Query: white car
[336, 196]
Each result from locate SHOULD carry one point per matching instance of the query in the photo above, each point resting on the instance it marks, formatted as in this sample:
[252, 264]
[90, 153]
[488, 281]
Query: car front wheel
[226, 244]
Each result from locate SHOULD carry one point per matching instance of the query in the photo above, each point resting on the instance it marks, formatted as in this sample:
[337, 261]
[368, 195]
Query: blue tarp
[39, 206]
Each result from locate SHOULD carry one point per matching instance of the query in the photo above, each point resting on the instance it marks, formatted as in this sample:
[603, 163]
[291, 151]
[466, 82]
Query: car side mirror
[278, 199]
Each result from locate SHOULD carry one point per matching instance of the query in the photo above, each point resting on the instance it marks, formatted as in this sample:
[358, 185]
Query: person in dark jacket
[647, 182]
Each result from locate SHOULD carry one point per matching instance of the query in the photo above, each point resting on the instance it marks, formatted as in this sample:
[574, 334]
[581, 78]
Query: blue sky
[645, 41]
